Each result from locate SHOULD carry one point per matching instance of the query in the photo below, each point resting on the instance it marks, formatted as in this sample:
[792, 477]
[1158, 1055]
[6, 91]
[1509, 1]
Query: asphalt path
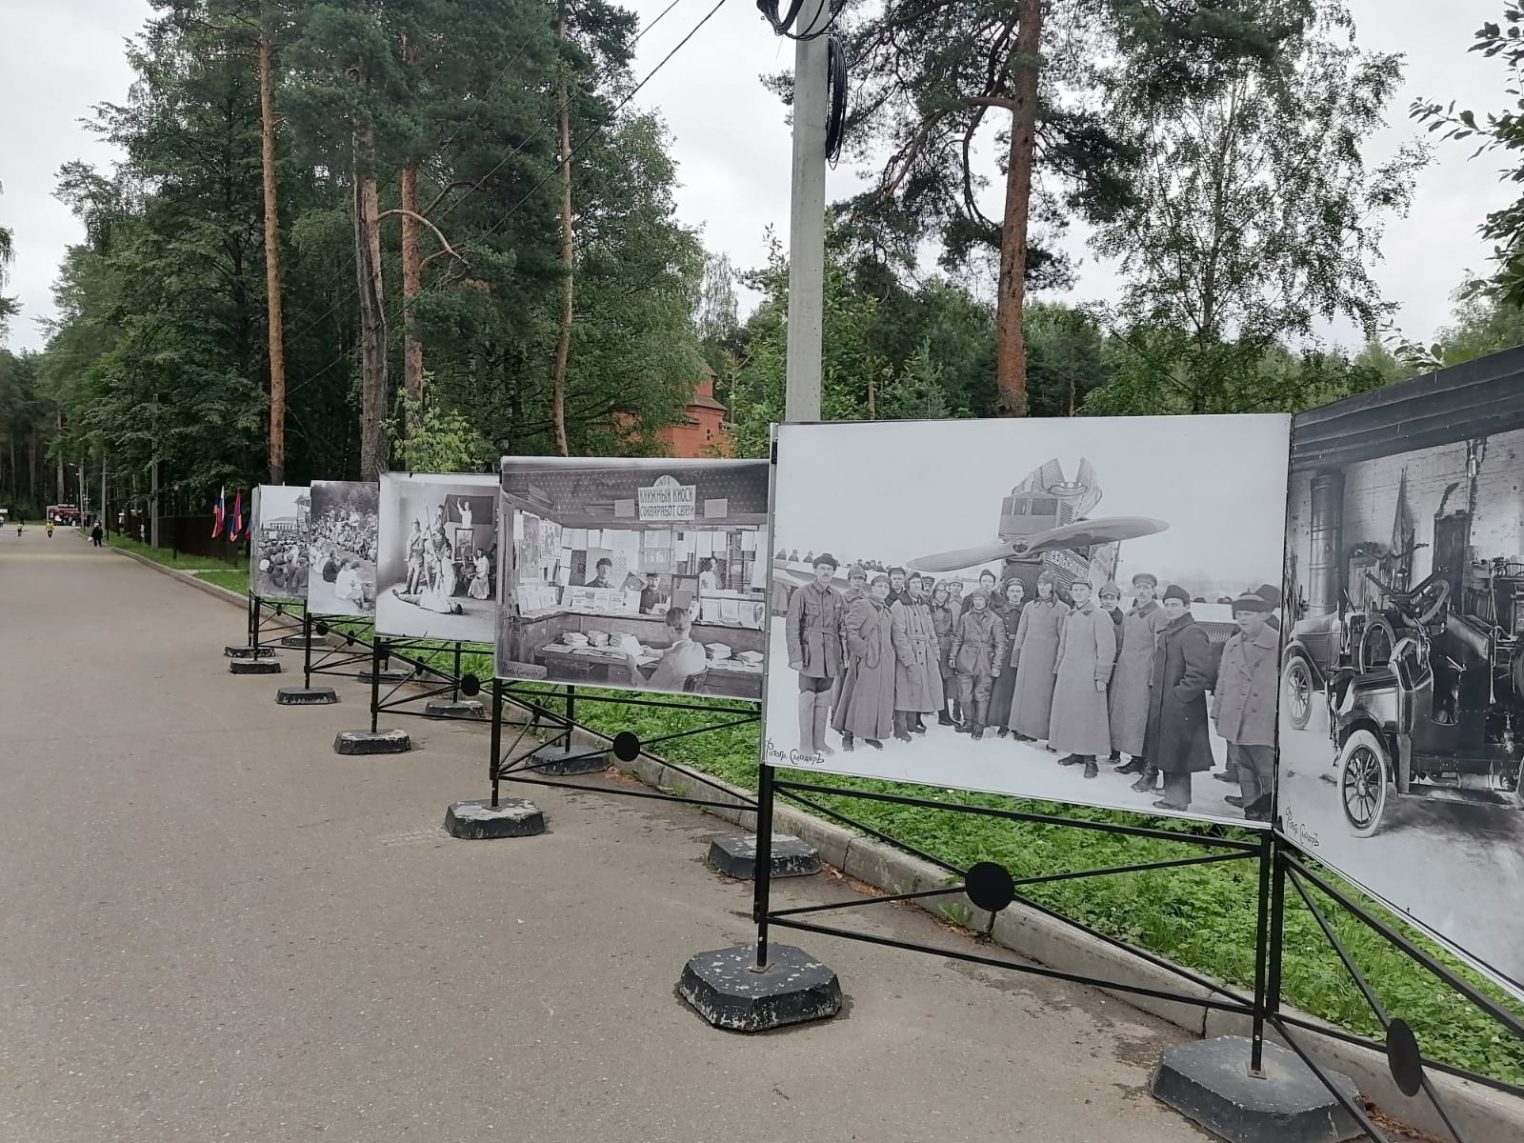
[216, 928]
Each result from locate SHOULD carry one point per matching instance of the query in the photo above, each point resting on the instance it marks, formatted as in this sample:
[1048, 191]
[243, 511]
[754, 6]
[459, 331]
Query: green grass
[236, 581]
[1202, 917]
[180, 561]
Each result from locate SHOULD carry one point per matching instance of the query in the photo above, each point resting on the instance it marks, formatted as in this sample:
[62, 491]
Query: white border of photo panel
[855, 488]
[693, 503]
[286, 497]
[475, 623]
[323, 596]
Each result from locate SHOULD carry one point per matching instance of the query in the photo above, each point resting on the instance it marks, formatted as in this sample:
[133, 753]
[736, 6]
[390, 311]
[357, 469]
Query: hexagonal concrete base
[1208, 1082]
[306, 696]
[736, 856]
[388, 675]
[446, 708]
[513, 817]
[722, 987]
[297, 642]
[579, 761]
[372, 742]
[247, 652]
[254, 666]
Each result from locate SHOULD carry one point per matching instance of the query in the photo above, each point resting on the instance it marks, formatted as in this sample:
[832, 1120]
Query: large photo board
[1402, 723]
[344, 528]
[436, 562]
[1102, 601]
[635, 574]
[279, 554]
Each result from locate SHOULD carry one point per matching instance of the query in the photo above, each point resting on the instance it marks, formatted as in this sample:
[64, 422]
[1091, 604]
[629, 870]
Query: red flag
[219, 512]
[236, 528]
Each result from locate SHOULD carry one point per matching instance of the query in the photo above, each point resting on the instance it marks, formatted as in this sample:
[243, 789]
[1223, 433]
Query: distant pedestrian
[97, 534]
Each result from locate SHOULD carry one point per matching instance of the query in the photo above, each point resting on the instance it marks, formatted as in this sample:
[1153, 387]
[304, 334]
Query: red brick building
[702, 431]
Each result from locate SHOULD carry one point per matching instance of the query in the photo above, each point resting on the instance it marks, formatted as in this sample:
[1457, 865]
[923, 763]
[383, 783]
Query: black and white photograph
[1402, 722]
[1078, 610]
[278, 555]
[341, 566]
[637, 574]
[436, 562]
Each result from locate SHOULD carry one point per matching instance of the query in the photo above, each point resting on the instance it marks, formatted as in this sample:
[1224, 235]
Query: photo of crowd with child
[343, 536]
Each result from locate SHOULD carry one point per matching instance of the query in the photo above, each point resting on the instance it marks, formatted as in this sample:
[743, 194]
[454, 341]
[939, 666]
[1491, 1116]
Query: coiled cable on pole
[782, 24]
[836, 88]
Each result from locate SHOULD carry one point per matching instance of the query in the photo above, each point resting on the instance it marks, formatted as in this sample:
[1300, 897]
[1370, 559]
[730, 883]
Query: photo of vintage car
[1443, 717]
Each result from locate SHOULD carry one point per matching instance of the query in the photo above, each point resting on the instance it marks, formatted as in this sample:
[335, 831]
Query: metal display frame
[557, 747]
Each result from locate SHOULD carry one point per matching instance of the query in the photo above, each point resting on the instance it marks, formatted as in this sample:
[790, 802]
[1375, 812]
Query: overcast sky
[730, 137]
[893, 491]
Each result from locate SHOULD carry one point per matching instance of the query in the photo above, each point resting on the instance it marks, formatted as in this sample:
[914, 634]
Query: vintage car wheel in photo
[1363, 779]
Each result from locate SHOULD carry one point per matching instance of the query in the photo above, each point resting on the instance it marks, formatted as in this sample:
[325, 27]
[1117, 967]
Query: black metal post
[1261, 955]
[495, 766]
[455, 692]
[254, 623]
[571, 717]
[762, 886]
[307, 647]
[375, 680]
[1277, 934]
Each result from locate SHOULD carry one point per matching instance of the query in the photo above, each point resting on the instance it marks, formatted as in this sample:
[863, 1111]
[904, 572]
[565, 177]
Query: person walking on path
[1080, 725]
[97, 534]
[866, 709]
[944, 617]
[978, 654]
[813, 632]
[1037, 646]
[1013, 595]
[917, 675]
[1178, 742]
[1243, 704]
[1129, 681]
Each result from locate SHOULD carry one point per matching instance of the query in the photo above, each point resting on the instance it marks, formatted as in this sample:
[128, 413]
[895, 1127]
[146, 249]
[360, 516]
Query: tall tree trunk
[373, 381]
[412, 282]
[563, 341]
[62, 497]
[275, 322]
[1010, 338]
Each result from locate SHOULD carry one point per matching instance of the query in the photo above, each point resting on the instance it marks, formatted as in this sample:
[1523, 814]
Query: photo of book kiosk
[645, 575]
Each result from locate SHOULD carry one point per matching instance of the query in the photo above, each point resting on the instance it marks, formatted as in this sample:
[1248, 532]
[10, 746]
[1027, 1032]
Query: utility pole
[806, 229]
[153, 481]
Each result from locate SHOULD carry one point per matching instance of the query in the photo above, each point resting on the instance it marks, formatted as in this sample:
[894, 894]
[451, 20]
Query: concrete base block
[297, 642]
[722, 987]
[306, 696]
[389, 675]
[254, 666]
[580, 761]
[736, 856]
[246, 652]
[1208, 1082]
[513, 817]
[446, 708]
[372, 742]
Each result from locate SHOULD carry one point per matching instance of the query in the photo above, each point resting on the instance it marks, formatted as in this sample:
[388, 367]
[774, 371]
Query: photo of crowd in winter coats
[341, 578]
[1071, 610]
[278, 559]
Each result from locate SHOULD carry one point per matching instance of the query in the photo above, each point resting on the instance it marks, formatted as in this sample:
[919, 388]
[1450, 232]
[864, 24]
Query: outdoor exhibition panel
[343, 528]
[1047, 685]
[1402, 725]
[637, 575]
[279, 556]
[436, 564]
